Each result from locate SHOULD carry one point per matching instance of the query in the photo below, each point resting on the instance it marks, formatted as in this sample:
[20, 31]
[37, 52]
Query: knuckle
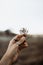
[22, 39]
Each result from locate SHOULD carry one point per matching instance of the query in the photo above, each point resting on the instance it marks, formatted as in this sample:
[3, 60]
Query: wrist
[8, 55]
[5, 60]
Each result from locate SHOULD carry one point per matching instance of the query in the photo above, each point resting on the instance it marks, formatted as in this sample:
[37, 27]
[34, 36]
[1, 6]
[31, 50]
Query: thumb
[20, 41]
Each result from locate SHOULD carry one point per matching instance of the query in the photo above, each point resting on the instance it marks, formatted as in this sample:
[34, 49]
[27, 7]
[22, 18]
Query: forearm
[11, 54]
[5, 60]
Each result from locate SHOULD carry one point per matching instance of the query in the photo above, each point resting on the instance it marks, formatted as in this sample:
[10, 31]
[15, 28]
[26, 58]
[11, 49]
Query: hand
[16, 45]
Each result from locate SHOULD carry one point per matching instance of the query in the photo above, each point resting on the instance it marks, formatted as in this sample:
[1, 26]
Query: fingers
[25, 44]
[16, 39]
[22, 46]
[20, 41]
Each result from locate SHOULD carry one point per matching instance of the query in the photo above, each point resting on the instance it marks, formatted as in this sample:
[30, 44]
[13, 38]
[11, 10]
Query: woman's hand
[15, 46]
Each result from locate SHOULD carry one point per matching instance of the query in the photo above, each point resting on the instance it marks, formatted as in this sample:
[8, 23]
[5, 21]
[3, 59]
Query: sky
[17, 14]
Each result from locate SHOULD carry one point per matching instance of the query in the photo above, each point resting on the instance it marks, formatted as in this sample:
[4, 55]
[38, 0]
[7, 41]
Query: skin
[15, 46]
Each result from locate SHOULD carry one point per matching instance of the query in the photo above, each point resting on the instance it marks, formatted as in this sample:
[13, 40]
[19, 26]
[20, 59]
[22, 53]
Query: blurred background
[17, 14]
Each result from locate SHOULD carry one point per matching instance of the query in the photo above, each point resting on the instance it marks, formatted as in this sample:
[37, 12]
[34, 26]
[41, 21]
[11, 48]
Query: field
[33, 55]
